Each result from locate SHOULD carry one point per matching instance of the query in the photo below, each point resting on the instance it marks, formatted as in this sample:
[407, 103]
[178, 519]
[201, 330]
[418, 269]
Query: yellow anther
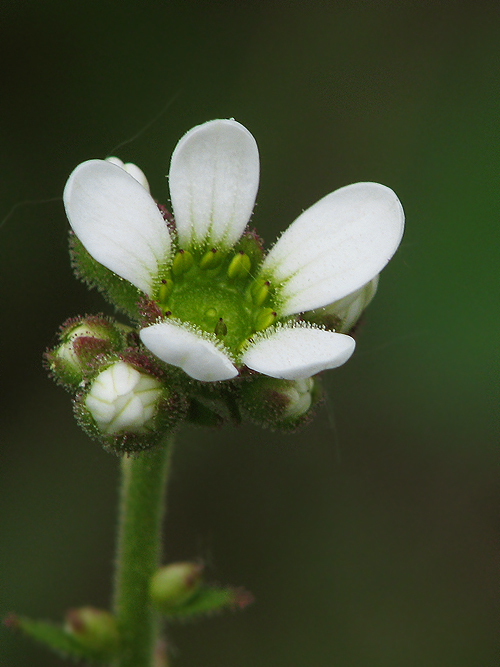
[264, 319]
[240, 265]
[211, 259]
[260, 291]
[165, 290]
[183, 261]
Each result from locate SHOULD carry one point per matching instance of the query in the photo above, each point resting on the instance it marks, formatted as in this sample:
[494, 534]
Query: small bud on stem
[175, 584]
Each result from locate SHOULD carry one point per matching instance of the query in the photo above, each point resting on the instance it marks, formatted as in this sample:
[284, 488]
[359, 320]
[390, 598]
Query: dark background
[370, 538]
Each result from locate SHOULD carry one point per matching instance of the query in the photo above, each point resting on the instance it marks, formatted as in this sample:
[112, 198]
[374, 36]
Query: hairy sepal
[266, 402]
[208, 601]
[171, 411]
[84, 344]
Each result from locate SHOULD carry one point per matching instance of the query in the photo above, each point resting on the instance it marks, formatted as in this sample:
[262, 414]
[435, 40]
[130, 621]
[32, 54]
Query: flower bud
[128, 407]
[131, 169]
[279, 403]
[81, 340]
[342, 315]
[121, 399]
[175, 584]
[299, 396]
[94, 629]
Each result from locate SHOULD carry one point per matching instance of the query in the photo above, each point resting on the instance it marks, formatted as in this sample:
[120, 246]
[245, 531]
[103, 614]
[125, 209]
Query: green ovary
[215, 305]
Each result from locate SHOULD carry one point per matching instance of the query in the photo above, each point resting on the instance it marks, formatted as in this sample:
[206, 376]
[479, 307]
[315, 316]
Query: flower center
[218, 293]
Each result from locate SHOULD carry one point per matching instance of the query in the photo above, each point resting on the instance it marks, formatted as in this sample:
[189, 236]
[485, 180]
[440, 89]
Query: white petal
[197, 357]
[336, 246]
[124, 377]
[128, 414]
[214, 177]
[101, 411]
[299, 352]
[131, 169]
[117, 221]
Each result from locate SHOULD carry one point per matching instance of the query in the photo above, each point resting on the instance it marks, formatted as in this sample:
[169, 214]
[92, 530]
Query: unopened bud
[81, 341]
[175, 584]
[342, 315]
[123, 400]
[94, 629]
[279, 403]
[299, 397]
[131, 169]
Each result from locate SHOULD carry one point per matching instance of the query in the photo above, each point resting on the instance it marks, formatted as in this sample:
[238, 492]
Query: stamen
[264, 319]
[183, 261]
[165, 289]
[260, 291]
[220, 328]
[211, 259]
[240, 266]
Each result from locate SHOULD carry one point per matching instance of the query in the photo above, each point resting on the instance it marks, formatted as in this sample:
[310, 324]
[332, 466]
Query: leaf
[56, 638]
[208, 600]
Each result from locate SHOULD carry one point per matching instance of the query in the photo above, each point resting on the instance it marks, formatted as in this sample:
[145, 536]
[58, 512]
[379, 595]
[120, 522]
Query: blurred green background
[370, 538]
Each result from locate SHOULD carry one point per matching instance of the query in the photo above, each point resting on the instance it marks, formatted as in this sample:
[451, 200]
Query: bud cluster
[127, 398]
[121, 396]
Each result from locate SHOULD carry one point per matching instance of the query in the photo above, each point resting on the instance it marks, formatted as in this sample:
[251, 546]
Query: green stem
[138, 552]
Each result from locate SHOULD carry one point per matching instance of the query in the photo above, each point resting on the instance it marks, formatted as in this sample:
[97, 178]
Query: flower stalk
[142, 509]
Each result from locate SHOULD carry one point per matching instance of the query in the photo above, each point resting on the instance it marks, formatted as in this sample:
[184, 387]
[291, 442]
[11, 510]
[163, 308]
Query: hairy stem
[138, 552]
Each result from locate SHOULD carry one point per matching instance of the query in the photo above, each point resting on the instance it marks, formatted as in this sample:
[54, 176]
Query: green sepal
[83, 345]
[170, 412]
[207, 601]
[265, 400]
[60, 641]
[122, 294]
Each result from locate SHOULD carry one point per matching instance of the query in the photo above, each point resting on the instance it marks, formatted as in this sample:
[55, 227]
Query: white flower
[331, 251]
[121, 400]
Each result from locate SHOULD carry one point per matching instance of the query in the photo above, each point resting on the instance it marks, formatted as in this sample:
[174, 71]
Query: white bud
[300, 397]
[66, 351]
[122, 399]
[348, 309]
[131, 169]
